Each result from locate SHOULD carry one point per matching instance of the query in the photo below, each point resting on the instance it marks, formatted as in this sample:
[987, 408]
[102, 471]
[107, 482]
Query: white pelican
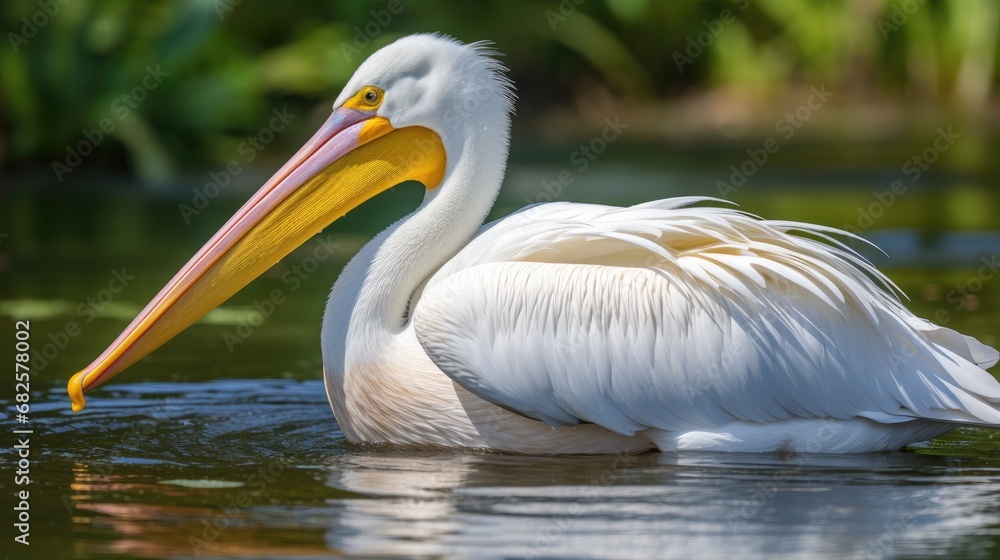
[568, 328]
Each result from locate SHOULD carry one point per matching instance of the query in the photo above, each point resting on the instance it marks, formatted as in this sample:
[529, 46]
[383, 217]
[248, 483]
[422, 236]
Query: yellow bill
[354, 156]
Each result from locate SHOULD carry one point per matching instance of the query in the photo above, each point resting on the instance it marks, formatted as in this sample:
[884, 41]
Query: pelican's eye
[368, 98]
[371, 96]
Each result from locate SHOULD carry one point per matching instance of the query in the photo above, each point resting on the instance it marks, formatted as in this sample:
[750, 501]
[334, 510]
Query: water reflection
[464, 505]
[279, 481]
[655, 506]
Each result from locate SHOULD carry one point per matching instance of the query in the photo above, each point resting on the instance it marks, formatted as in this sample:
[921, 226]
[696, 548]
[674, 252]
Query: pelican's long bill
[354, 156]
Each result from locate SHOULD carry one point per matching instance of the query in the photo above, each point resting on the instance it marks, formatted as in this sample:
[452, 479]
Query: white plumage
[568, 328]
[586, 328]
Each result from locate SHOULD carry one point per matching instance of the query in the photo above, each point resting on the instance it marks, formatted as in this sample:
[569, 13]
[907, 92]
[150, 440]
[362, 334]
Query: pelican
[568, 328]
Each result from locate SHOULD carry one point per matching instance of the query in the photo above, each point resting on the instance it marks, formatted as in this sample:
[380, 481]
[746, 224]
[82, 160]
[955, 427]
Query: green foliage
[229, 62]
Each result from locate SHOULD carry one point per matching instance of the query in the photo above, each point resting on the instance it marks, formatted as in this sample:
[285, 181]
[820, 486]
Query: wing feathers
[676, 317]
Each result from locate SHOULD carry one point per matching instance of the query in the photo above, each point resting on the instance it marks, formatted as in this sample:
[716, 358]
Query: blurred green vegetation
[66, 64]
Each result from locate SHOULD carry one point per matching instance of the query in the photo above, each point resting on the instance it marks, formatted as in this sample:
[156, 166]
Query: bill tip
[75, 388]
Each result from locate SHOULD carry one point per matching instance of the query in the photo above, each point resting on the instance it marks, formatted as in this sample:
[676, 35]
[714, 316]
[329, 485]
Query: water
[216, 448]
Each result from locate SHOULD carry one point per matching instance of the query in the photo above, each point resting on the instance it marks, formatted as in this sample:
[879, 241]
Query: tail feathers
[965, 346]
[974, 391]
[963, 397]
[952, 416]
[963, 392]
[982, 355]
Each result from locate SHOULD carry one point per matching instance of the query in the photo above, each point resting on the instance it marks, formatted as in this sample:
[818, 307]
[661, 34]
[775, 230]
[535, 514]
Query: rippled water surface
[218, 446]
[257, 469]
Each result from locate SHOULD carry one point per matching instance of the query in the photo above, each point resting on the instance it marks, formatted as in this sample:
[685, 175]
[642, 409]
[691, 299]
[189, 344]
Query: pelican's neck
[378, 283]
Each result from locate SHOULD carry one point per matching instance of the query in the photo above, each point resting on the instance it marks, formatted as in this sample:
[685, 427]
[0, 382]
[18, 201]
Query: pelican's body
[570, 328]
[741, 337]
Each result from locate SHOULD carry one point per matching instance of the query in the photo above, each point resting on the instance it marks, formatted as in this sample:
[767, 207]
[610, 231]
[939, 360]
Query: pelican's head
[404, 115]
[433, 82]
